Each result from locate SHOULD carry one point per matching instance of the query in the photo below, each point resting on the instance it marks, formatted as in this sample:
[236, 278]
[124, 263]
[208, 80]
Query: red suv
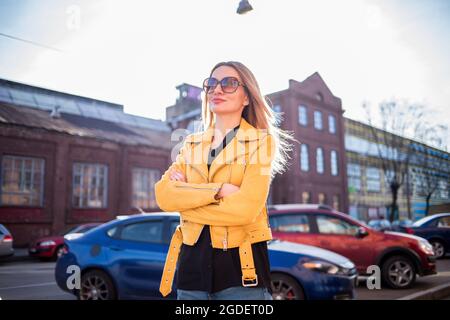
[400, 257]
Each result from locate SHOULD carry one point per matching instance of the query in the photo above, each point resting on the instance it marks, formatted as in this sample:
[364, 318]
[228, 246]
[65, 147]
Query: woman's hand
[176, 175]
[226, 190]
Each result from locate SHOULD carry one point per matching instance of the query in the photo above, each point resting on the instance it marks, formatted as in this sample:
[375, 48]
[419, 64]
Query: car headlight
[47, 243]
[322, 266]
[426, 247]
[73, 236]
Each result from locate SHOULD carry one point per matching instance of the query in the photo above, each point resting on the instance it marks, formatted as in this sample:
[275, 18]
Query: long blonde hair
[258, 113]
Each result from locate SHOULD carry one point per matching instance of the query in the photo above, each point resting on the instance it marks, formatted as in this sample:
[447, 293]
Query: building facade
[66, 160]
[368, 183]
[317, 172]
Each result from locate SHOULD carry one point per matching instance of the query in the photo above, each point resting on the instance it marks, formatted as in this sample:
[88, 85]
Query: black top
[204, 268]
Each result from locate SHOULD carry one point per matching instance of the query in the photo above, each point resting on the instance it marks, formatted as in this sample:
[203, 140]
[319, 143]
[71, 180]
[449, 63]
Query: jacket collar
[235, 149]
[246, 132]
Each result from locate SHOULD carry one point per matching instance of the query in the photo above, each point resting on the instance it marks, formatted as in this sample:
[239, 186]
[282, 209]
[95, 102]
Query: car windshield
[78, 229]
[422, 221]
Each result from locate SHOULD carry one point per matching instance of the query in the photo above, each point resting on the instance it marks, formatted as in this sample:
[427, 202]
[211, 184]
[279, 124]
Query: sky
[135, 52]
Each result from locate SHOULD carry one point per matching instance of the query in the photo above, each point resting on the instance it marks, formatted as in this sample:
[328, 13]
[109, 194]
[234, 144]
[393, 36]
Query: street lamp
[244, 7]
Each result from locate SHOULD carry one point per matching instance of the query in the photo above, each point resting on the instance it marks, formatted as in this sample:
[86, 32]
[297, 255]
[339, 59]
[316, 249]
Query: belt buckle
[253, 283]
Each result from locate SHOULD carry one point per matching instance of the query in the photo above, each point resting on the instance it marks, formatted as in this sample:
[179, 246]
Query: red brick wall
[59, 152]
[288, 188]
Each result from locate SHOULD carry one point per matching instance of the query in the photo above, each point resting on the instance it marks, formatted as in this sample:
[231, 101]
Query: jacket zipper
[191, 187]
[225, 241]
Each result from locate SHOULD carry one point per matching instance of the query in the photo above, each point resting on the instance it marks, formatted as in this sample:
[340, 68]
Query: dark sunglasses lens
[229, 84]
[209, 84]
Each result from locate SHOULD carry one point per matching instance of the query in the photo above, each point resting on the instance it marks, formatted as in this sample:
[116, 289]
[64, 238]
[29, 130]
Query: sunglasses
[228, 84]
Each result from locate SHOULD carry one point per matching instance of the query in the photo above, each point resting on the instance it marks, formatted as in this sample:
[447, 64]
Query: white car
[6, 242]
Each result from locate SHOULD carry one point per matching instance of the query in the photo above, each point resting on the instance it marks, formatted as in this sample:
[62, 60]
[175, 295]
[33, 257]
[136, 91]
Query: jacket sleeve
[243, 206]
[178, 195]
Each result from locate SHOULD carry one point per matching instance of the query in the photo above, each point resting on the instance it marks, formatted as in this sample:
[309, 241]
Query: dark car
[400, 225]
[436, 229]
[51, 247]
[400, 257]
[124, 259]
[380, 224]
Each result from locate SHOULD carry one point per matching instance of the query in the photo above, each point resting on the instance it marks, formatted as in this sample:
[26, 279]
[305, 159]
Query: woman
[219, 183]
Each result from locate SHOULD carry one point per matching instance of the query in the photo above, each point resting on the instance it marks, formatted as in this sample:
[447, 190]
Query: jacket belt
[249, 276]
[170, 265]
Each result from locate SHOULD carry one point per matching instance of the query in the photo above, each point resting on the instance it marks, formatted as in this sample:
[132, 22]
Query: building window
[277, 108]
[331, 124]
[143, 187]
[306, 197]
[354, 176]
[90, 185]
[334, 163]
[336, 202]
[373, 179]
[302, 116]
[318, 120]
[319, 96]
[319, 160]
[304, 157]
[322, 198]
[443, 189]
[22, 181]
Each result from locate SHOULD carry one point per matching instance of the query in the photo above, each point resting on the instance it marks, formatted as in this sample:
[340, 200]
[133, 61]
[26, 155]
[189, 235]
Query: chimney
[55, 112]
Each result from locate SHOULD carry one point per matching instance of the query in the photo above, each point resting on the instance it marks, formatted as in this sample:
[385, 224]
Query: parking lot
[32, 279]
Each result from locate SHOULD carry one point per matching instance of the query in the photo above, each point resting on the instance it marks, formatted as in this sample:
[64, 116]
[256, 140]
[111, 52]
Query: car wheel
[398, 272]
[286, 288]
[96, 285]
[438, 248]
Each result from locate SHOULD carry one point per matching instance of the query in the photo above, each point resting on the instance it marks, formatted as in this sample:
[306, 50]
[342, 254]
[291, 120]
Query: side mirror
[362, 232]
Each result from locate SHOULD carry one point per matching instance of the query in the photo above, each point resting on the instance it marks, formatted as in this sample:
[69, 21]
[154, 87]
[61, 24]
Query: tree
[430, 166]
[398, 119]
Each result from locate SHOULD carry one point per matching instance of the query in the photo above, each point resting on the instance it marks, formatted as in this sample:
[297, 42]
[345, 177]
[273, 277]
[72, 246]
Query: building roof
[30, 106]
[16, 93]
[80, 126]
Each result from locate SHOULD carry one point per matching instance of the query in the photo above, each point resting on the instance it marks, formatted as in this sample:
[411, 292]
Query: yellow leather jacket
[236, 220]
[245, 162]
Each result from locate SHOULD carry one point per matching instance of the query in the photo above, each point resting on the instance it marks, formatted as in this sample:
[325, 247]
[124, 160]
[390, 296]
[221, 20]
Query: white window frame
[303, 115]
[148, 187]
[318, 121]
[320, 164]
[78, 169]
[354, 175]
[331, 124]
[334, 163]
[36, 163]
[373, 182]
[304, 157]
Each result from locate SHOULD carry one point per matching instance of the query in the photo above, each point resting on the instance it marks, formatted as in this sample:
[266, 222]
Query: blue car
[436, 229]
[124, 259]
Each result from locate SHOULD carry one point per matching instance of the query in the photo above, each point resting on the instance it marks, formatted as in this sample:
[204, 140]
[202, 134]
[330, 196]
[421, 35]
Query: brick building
[67, 159]
[317, 173]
